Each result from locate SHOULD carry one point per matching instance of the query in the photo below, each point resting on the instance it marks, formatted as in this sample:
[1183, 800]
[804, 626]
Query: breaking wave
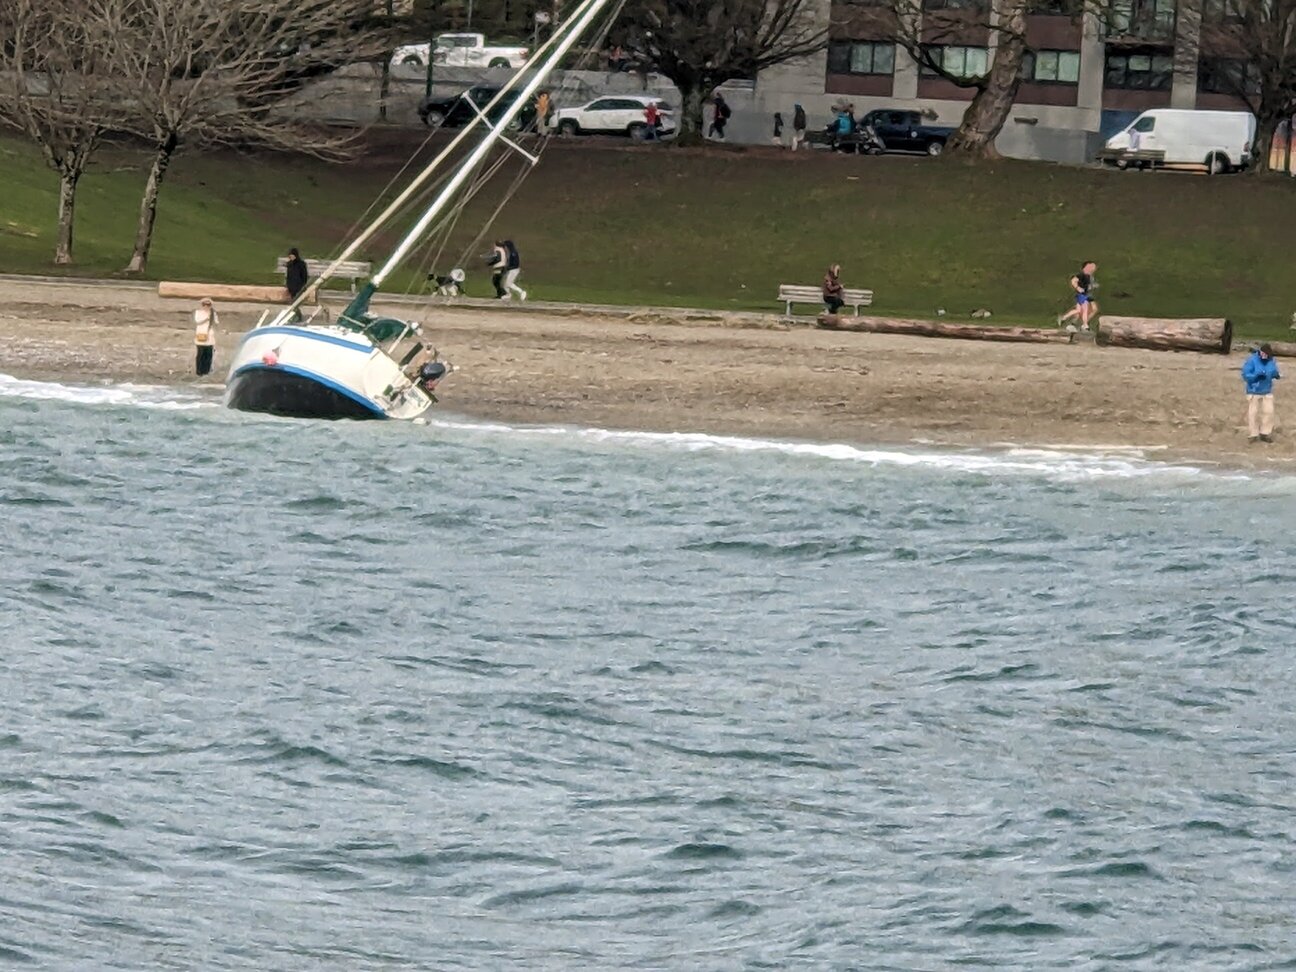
[143, 396]
[1068, 462]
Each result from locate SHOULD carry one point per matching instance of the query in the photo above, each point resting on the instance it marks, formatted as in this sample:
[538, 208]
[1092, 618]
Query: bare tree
[1252, 44]
[55, 87]
[999, 27]
[701, 44]
[211, 72]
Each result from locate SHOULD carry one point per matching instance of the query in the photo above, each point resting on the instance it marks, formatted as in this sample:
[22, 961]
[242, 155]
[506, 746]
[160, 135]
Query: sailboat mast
[574, 30]
[353, 247]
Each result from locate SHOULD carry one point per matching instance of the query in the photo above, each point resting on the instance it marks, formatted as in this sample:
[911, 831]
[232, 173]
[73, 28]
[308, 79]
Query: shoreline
[651, 373]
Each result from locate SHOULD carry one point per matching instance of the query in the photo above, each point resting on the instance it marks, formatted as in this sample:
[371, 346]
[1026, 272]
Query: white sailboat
[365, 365]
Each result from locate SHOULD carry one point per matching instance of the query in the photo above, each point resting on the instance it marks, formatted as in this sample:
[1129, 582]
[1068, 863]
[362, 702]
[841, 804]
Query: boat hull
[320, 372]
[281, 391]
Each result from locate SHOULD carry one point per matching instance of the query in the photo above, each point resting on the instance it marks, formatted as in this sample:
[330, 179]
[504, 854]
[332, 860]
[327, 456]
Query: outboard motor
[430, 374]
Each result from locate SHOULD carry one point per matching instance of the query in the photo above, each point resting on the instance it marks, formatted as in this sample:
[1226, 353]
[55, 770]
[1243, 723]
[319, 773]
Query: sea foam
[143, 396]
[1071, 462]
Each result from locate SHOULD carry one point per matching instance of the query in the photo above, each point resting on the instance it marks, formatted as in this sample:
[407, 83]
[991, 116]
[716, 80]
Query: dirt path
[652, 374]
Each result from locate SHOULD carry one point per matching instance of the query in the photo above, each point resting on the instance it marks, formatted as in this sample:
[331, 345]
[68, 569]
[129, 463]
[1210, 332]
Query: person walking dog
[1258, 374]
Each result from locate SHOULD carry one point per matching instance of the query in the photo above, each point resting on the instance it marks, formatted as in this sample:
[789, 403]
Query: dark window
[955, 4]
[1055, 8]
[861, 57]
[1142, 72]
[1146, 19]
[958, 61]
[1225, 75]
[1054, 67]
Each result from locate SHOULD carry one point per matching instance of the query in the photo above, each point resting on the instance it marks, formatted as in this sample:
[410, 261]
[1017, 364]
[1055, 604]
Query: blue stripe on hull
[296, 393]
[309, 335]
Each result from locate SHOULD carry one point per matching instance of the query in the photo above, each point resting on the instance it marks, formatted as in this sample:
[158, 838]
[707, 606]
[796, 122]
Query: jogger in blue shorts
[1083, 284]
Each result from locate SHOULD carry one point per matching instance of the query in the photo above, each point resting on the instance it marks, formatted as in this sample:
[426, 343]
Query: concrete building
[1084, 80]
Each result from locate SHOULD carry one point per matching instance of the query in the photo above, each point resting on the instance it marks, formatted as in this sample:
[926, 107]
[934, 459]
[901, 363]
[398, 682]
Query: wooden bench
[354, 269]
[790, 294]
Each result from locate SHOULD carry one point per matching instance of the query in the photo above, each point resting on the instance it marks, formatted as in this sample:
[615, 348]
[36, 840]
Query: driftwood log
[1283, 349]
[1213, 335]
[230, 292]
[973, 332]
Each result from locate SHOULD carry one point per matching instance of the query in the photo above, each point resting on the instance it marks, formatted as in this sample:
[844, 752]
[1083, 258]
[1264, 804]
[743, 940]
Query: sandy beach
[745, 376]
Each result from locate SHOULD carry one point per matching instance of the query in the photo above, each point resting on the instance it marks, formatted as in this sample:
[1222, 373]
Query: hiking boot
[1265, 437]
[1253, 438]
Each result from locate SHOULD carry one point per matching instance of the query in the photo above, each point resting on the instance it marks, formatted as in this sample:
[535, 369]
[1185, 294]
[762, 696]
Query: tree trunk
[249, 293]
[68, 179]
[690, 130]
[1266, 128]
[148, 204]
[989, 110]
[384, 85]
[384, 89]
[974, 332]
[1213, 335]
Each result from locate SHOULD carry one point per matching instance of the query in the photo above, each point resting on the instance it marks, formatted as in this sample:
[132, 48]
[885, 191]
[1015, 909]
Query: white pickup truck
[461, 50]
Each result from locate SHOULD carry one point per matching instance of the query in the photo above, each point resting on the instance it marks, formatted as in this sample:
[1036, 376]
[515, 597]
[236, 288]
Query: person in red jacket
[652, 115]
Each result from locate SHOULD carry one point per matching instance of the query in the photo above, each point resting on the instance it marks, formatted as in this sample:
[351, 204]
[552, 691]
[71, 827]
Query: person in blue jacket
[1259, 373]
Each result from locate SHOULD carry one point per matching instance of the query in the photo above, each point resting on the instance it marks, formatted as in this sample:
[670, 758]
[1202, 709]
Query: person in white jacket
[205, 321]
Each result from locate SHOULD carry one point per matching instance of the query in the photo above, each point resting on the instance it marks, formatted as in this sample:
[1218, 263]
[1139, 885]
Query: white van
[1219, 140]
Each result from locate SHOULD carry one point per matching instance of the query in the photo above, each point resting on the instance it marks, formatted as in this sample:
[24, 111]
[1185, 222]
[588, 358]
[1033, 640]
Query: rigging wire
[541, 145]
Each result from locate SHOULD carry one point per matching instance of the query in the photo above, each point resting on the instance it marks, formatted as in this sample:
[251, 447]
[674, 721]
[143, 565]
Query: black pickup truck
[901, 130]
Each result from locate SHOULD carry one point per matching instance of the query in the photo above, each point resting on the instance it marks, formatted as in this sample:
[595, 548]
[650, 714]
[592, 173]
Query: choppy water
[284, 695]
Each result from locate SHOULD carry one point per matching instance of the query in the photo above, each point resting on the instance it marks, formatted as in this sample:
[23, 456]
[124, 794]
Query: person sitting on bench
[833, 290]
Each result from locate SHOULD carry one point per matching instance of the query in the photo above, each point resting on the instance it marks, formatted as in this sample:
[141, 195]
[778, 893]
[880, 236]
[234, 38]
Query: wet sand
[745, 376]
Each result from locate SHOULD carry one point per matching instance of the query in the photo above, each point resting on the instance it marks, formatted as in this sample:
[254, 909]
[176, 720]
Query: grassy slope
[723, 229]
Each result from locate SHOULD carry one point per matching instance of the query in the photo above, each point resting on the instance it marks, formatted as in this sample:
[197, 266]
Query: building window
[1147, 19]
[1142, 72]
[1228, 76]
[955, 4]
[861, 57]
[959, 62]
[1058, 67]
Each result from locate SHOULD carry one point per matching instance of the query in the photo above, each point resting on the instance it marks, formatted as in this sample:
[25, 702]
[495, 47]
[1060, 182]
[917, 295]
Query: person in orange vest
[542, 111]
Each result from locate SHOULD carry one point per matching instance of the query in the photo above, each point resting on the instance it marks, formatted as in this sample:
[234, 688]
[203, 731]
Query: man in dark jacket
[719, 118]
[295, 277]
[295, 274]
[798, 127]
[1259, 373]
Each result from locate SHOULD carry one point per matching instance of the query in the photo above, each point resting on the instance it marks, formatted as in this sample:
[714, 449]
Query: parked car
[900, 130]
[616, 115]
[458, 110]
[461, 50]
[1219, 140]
